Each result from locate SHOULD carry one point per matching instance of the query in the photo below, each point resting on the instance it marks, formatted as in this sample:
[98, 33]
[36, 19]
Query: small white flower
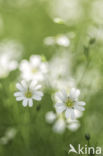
[68, 103]
[34, 69]
[50, 117]
[59, 126]
[28, 91]
[73, 125]
[62, 40]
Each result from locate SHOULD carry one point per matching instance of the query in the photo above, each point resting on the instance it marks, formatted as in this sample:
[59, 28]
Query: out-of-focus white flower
[59, 75]
[73, 125]
[10, 51]
[61, 40]
[59, 126]
[9, 135]
[97, 11]
[28, 91]
[60, 123]
[69, 102]
[58, 20]
[65, 84]
[50, 117]
[35, 69]
[70, 11]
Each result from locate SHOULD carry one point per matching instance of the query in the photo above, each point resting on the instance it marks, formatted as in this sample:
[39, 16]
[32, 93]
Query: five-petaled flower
[35, 69]
[28, 91]
[68, 103]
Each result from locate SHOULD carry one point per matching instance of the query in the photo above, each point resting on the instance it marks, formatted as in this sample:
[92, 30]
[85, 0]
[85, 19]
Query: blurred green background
[29, 22]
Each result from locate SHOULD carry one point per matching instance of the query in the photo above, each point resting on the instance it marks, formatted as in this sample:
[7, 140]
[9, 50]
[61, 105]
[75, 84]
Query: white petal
[38, 93]
[80, 108]
[74, 93]
[72, 114]
[33, 84]
[25, 102]
[38, 87]
[38, 98]
[58, 104]
[81, 103]
[60, 96]
[30, 102]
[60, 109]
[18, 94]
[78, 114]
[68, 113]
[24, 84]
[64, 94]
[19, 86]
[20, 98]
[35, 60]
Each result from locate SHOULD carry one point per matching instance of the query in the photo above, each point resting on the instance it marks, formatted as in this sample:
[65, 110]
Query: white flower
[34, 69]
[50, 117]
[68, 103]
[59, 126]
[28, 91]
[73, 125]
[60, 77]
[10, 51]
[63, 40]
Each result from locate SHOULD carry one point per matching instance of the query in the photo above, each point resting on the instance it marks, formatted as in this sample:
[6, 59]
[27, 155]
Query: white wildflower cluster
[60, 123]
[68, 110]
[59, 75]
[68, 107]
[33, 73]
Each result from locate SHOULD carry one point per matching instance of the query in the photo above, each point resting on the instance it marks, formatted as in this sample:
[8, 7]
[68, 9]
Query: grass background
[29, 25]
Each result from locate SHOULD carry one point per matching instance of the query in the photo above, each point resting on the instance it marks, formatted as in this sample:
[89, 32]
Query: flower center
[28, 94]
[69, 102]
[34, 70]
